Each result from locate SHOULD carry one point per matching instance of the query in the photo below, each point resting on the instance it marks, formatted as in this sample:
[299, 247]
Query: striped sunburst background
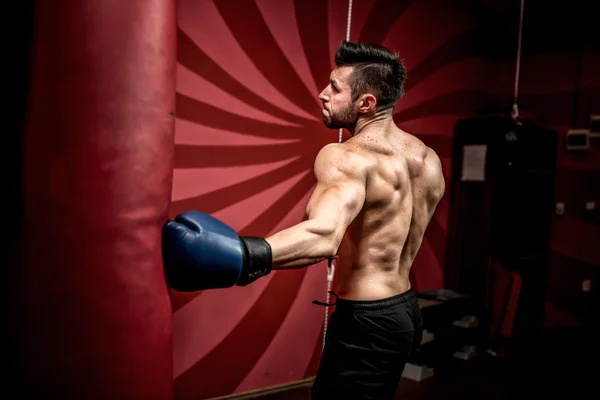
[247, 131]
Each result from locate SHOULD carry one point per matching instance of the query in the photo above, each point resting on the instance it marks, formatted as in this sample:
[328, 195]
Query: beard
[344, 118]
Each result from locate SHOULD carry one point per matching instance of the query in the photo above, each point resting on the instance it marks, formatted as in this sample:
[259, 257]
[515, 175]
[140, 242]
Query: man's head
[368, 79]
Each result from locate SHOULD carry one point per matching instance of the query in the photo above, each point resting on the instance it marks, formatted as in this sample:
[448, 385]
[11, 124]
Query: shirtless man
[381, 188]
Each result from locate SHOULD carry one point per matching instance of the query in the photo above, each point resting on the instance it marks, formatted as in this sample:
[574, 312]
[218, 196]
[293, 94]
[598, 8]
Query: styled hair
[376, 70]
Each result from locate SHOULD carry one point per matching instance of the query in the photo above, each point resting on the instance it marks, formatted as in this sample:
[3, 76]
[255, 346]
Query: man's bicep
[334, 208]
[339, 194]
[344, 196]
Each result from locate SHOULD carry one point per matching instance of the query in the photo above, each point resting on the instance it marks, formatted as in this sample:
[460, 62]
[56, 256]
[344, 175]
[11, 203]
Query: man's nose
[323, 97]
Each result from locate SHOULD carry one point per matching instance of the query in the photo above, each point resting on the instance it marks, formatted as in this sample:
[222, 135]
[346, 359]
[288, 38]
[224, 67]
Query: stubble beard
[345, 118]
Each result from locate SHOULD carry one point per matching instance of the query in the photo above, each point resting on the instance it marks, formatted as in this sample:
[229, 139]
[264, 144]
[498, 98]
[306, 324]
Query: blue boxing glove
[201, 252]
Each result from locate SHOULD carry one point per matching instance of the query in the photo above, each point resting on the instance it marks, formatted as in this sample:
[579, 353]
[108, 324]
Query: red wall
[247, 131]
[560, 88]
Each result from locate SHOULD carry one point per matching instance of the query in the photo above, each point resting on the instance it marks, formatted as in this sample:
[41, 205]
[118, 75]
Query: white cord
[330, 273]
[331, 270]
[515, 109]
[348, 23]
[349, 20]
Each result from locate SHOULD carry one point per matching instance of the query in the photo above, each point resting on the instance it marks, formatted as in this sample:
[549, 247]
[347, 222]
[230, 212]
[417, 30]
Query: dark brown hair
[376, 70]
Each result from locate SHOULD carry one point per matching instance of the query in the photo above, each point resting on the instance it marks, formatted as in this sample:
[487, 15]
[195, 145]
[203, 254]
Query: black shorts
[367, 346]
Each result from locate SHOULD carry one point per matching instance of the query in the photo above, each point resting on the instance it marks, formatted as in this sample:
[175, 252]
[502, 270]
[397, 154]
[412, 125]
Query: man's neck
[381, 121]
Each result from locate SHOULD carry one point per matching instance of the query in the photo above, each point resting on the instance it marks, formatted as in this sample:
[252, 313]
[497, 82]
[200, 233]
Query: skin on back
[404, 183]
[379, 189]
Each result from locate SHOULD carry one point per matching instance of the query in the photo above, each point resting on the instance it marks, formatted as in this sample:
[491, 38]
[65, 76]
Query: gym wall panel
[248, 129]
[560, 88]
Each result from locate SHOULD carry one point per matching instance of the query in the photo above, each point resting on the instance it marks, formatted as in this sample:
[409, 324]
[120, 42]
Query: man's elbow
[326, 245]
[329, 244]
[331, 249]
[324, 249]
[329, 239]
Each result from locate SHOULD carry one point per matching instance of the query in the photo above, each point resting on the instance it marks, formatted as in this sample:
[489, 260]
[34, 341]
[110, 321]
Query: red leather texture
[92, 305]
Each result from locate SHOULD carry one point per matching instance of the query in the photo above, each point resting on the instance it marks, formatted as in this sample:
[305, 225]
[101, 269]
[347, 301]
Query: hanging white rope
[348, 23]
[515, 108]
[349, 20]
[331, 267]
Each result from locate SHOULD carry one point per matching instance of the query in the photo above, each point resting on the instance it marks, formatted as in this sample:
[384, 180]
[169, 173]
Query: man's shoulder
[426, 153]
[432, 169]
[432, 159]
[340, 157]
[340, 153]
[330, 151]
[418, 145]
[429, 164]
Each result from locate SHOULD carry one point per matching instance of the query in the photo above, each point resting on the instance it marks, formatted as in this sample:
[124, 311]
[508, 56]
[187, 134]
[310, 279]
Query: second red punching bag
[93, 312]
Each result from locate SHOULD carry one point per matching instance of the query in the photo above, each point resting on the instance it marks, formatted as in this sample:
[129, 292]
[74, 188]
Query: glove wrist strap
[257, 259]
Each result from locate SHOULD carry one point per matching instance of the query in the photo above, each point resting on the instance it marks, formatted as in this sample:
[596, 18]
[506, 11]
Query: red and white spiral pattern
[248, 128]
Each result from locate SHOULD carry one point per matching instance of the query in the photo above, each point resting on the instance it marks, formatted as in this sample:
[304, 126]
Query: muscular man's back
[404, 183]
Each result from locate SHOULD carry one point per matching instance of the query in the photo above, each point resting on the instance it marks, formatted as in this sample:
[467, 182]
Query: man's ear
[367, 103]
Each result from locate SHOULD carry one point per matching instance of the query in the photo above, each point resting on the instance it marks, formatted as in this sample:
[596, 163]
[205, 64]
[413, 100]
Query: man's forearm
[302, 245]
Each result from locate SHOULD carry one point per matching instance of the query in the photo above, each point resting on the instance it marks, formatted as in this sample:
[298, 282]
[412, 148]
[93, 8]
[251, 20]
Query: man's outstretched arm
[337, 199]
[201, 252]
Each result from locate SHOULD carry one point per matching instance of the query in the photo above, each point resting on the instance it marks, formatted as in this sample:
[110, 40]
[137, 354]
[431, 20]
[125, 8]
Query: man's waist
[404, 299]
[372, 288]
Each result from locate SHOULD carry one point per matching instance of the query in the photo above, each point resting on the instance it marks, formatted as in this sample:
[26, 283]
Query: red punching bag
[92, 308]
